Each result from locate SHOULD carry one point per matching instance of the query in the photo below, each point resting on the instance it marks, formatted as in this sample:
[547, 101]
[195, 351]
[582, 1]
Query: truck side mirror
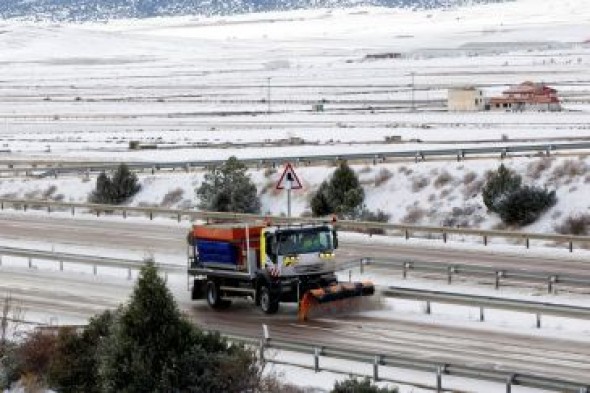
[335, 236]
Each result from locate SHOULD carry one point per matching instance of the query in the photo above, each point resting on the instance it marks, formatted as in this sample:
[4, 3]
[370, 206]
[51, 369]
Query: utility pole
[413, 92]
[268, 95]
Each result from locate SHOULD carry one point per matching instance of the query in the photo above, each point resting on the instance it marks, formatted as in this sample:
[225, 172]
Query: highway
[82, 296]
[69, 295]
[118, 234]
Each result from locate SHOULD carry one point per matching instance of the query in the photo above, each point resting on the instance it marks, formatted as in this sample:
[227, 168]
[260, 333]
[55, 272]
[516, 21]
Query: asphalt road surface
[146, 235]
[82, 296]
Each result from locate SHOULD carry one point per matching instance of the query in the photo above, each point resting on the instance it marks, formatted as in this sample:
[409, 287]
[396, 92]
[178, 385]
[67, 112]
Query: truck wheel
[214, 298]
[268, 304]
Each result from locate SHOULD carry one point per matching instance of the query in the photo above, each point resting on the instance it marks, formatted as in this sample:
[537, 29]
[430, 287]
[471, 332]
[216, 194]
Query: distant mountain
[88, 10]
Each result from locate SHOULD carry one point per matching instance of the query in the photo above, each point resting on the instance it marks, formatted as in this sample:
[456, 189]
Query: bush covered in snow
[342, 194]
[578, 225]
[228, 188]
[354, 385]
[525, 205]
[115, 189]
[504, 194]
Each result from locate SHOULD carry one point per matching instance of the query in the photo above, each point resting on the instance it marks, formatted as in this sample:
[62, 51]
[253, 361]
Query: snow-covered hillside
[425, 193]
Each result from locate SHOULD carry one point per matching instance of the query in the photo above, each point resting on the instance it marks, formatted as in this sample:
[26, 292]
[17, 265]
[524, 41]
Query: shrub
[354, 385]
[115, 189]
[228, 188]
[413, 215]
[382, 176]
[419, 183]
[172, 197]
[499, 184]
[524, 205]
[469, 177]
[73, 368]
[536, 168]
[443, 179]
[578, 225]
[49, 191]
[570, 168]
[342, 194]
[320, 202]
[152, 347]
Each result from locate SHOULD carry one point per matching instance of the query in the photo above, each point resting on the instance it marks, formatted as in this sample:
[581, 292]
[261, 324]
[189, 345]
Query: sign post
[289, 181]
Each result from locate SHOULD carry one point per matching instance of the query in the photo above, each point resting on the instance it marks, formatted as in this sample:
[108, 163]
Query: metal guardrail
[483, 302]
[441, 368]
[375, 157]
[95, 261]
[551, 279]
[391, 229]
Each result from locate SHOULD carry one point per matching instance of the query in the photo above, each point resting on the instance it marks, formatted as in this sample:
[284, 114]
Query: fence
[440, 369]
[406, 231]
[375, 157]
[483, 302]
[551, 279]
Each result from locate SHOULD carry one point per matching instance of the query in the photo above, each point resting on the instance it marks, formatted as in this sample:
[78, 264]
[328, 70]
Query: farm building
[527, 96]
[465, 99]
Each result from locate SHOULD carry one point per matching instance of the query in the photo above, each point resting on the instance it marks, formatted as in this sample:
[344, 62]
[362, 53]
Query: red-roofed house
[527, 96]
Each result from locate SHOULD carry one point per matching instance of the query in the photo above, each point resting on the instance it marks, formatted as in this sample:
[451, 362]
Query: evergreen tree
[116, 189]
[125, 184]
[525, 205]
[153, 348]
[102, 193]
[320, 203]
[228, 188]
[342, 194]
[73, 367]
[354, 385]
[498, 186]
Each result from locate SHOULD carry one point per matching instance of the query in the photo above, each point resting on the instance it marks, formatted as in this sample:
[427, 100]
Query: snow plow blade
[337, 297]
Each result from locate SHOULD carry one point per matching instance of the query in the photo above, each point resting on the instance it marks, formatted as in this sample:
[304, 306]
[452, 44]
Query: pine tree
[73, 367]
[498, 186]
[320, 203]
[525, 205]
[125, 184]
[228, 188]
[116, 189]
[342, 194]
[153, 348]
[353, 385]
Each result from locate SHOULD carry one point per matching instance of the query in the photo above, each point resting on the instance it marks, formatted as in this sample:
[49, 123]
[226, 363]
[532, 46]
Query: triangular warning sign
[289, 177]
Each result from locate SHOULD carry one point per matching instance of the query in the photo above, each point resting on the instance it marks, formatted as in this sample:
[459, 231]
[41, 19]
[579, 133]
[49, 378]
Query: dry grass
[578, 225]
[443, 179]
[382, 177]
[419, 183]
[536, 168]
[414, 215]
[172, 197]
[569, 169]
[469, 177]
[49, 192]
[473, 189]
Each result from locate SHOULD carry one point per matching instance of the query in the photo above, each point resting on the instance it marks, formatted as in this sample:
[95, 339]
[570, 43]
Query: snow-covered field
[84, 91]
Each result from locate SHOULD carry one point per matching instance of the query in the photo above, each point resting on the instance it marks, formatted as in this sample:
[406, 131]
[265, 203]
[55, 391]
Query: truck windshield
[304, 241]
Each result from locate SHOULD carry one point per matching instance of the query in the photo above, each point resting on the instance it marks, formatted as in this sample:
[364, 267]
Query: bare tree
[11, 320]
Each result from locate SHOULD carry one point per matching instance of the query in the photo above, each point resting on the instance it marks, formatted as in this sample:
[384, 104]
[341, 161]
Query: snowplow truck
[270, 264]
